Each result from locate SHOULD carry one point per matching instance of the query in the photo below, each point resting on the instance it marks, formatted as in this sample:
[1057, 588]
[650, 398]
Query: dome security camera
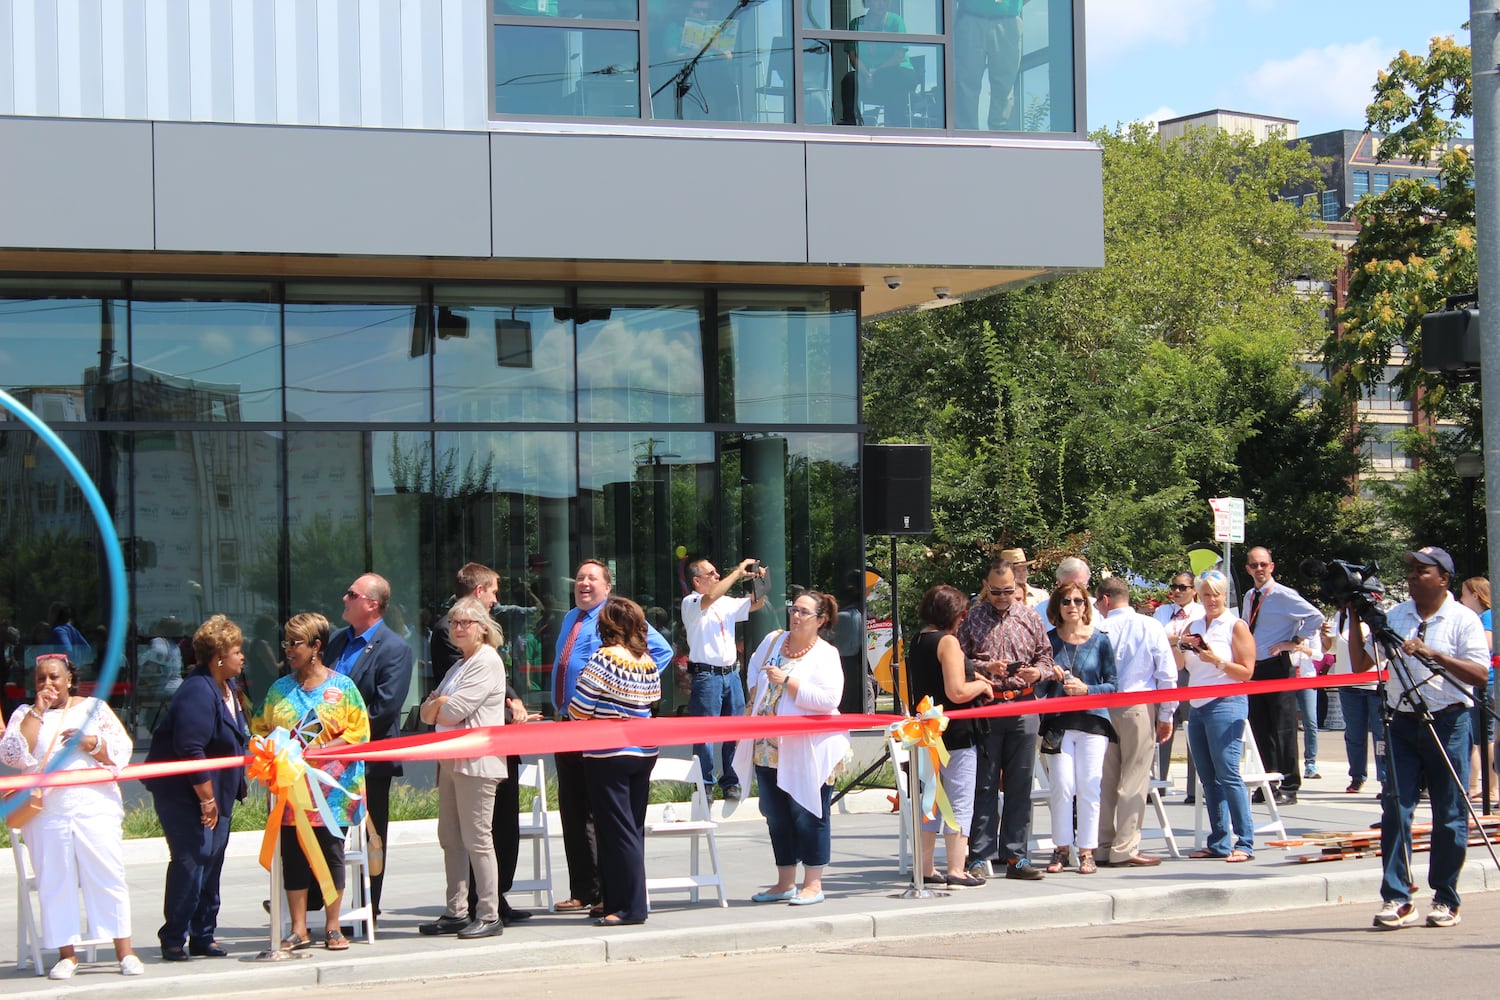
[893, 281]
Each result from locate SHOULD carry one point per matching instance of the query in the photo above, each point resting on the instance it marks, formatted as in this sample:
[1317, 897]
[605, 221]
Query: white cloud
[1118, 27]
[1341, 76]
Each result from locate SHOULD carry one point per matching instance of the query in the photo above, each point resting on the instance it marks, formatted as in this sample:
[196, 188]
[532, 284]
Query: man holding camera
[709, 615]
[1436, 631]
[1278, 617]
[1007, 643]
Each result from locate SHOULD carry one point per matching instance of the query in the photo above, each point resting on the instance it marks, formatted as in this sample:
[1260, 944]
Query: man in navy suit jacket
[379, 663]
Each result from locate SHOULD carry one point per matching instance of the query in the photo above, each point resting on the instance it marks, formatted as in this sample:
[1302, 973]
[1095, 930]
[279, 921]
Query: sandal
[1202, 853]
[1086, 864]
[1238, 857]
[294, 943]
[334, 940]
[570, 906]
[1059, 860]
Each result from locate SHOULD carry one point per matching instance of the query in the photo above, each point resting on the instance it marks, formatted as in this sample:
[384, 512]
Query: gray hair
[1073, 570]
[473, 608]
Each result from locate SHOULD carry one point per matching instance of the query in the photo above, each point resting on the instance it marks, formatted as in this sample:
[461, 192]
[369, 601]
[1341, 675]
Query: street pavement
[864, 906]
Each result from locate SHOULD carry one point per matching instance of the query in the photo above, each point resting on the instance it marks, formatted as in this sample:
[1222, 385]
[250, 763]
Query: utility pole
[1484, 28]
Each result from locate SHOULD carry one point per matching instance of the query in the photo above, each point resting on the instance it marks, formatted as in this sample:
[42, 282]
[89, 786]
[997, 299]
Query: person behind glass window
[881, 73]
[987, 40]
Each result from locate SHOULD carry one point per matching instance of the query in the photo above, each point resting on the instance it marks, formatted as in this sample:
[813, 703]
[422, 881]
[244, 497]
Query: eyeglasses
[1178, 588]
[802, 613]
[463, 622]
[352, 595]
[292, 643]
[1068, 601]
[1261, 565]
[1002, 591]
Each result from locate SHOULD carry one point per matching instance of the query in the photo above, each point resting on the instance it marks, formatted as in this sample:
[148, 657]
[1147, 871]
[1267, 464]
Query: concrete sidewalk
[863, 902]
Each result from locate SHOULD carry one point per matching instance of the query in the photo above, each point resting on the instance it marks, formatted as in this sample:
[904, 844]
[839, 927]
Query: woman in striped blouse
[620, 681]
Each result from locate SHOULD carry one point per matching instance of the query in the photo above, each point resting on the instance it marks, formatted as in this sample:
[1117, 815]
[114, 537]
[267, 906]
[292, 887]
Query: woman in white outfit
[76, 840]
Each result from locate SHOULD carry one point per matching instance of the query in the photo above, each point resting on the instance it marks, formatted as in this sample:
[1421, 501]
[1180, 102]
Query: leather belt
[710, 668]
[1013, 695]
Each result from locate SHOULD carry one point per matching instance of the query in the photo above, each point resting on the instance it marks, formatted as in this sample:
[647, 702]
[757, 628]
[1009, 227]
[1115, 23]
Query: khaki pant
[466, 810]
[1127, 780]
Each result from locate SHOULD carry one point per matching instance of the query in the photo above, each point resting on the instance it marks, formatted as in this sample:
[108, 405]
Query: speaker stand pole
[918, 889]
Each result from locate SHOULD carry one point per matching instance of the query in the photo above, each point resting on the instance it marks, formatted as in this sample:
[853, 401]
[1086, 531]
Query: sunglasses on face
[1178, 588]
[292, 643]
[1070, 601]
[1002, 591]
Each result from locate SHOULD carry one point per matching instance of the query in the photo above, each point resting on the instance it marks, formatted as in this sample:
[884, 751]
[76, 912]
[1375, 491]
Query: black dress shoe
[1286, 798]
[443, 925]
[210, 950]
[1258, 797]
[481, 929]
[1189, 800]
[509, 916]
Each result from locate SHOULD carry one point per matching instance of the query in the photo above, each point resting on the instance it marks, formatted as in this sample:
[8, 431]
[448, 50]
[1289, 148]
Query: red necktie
[560, 669]
[1181, 612]
[1254, 610]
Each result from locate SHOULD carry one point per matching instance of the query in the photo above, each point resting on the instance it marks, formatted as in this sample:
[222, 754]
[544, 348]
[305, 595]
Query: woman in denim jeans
[1219, 649]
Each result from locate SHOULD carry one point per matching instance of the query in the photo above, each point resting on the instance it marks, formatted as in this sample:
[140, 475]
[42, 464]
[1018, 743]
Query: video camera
[1341, 583]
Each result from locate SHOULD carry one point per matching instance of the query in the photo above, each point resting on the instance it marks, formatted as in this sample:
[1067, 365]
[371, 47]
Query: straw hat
[1015, 556]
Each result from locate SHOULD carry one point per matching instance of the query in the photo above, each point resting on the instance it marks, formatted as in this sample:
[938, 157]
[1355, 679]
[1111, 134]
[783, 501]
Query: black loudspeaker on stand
[898, 489]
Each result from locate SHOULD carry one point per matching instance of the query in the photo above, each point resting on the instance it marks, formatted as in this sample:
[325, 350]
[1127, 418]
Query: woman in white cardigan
[797, 673]
[471, 696]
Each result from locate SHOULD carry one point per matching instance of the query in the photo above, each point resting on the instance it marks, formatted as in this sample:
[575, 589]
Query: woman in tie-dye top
[319, 707]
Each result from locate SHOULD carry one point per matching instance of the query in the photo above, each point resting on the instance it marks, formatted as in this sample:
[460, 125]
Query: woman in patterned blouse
[620, 681]
[319, 707]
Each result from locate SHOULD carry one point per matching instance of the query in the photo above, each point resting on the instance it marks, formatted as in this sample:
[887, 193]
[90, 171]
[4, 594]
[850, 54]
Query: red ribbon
[527, 740]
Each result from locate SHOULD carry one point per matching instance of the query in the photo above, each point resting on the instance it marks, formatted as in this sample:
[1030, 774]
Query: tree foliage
[1416, 243]
[1098, 413]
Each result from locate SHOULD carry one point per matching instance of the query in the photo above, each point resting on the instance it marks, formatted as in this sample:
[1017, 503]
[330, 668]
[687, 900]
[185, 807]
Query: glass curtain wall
[971, 65]
[261, 445]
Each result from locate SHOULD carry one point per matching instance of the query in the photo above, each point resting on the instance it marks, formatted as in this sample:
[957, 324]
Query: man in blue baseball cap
[1444, 650]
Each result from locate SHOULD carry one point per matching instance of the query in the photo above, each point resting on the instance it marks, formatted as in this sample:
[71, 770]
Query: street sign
[1229, 519]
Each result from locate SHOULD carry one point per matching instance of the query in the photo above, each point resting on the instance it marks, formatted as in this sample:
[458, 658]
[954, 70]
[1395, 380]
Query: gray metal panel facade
[75, 184]
[270, 189]
[957, 206]
[629, 198]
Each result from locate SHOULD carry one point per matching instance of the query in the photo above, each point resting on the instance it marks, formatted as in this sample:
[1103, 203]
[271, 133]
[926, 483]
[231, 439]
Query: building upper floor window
[1361, 184]
[1382, 183]
[972, 65]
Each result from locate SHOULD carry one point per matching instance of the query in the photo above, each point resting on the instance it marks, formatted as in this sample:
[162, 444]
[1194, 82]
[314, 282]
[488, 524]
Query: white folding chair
[1163, 828]
[1255, 776]
[534, 829]
[28, 919]
[698, 827]
[359, 904]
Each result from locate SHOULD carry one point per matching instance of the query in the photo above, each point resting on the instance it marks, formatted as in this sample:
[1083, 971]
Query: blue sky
[1312, 60]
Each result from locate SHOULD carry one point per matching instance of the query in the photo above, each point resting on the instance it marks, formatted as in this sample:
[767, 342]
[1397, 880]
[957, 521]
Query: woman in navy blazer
[203, 720]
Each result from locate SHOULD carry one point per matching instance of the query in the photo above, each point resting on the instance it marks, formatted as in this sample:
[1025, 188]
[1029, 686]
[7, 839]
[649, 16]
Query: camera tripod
[1387, 641]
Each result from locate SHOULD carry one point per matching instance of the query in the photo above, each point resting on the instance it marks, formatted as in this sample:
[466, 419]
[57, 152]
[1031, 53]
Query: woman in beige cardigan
[471, 695]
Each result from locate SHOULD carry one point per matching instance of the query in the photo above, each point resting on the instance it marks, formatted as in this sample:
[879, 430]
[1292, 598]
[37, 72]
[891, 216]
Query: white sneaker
[131, 965]
[1394, 915]
[64, 969]
[1442, 916]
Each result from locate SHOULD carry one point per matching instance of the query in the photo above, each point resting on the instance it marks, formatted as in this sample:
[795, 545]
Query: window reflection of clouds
[353, 362]
[641, 364]
[231, 346]
[471, 385]
[52, 342]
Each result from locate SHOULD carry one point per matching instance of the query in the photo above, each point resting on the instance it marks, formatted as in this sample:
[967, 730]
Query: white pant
[72, 852]
[1078, 769]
